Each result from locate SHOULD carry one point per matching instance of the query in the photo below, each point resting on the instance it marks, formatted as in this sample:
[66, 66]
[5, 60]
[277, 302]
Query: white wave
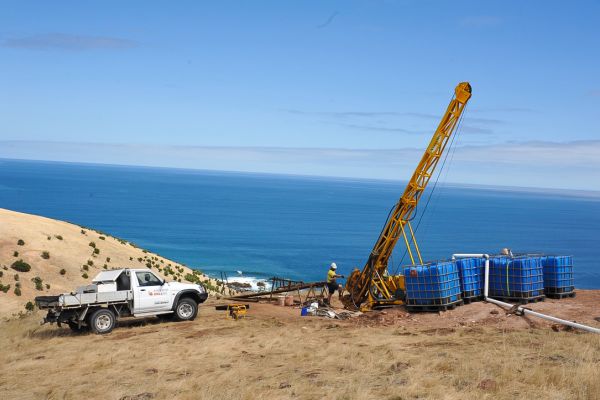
[253, 281]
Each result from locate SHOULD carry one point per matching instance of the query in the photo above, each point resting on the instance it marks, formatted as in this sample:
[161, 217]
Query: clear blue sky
[347, 88]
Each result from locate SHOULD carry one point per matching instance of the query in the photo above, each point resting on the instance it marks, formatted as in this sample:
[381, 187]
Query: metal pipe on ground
[279, 291]
[520, 309]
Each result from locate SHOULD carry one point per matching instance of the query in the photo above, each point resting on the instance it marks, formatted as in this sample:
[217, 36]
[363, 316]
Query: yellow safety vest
[330, 276]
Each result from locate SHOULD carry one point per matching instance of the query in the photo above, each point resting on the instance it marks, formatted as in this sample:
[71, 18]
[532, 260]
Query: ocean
[294, 227]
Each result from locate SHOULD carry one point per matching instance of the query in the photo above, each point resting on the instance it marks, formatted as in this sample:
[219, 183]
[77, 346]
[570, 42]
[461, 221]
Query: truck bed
[83, 299]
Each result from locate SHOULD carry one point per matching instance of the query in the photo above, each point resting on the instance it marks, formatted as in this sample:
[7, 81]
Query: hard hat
[333, 266]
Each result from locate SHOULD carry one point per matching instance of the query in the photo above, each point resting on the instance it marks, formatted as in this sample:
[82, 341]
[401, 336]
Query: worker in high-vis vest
[332, 284]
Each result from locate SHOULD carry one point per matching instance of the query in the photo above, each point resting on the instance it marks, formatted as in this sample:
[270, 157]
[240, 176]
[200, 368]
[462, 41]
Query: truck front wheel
[186, 310]
[102, 321]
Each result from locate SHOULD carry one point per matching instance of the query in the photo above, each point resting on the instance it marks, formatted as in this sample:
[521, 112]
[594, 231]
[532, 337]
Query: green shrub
[45, 255]
[82, 232]
[48, 238]
[16, 277]
[59, 237]
[208, 286]
[102, 238]
[105, 266]
[84, 275]
[63, 271]
[92, 244]
[140, 259]
[107, 259]
[18, 284]
[90, 263]
[1, 274]
[21, 266]
[17, 291]
[130, 258]
[16, 254]
[149, 265]
[47, 286]
[20, 242]
[96, 251]
[29, 306]
[38, 283]
[86, 267]
[192, 278]
[4, 288]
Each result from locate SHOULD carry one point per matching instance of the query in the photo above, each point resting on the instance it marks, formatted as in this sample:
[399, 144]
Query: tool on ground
[235, 311]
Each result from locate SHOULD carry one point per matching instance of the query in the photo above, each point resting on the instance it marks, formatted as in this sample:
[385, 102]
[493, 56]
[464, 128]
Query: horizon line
[521, 189]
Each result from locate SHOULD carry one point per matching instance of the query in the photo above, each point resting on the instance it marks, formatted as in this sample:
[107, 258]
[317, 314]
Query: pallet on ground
[520, 300]
[560, 295]
[469, 300]
[433, 307]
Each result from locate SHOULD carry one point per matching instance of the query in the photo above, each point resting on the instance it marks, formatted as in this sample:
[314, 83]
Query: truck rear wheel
[102, 321]
[186, 310]
[75, 327]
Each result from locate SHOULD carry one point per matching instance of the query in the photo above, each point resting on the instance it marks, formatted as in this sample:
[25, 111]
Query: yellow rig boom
[372, 287]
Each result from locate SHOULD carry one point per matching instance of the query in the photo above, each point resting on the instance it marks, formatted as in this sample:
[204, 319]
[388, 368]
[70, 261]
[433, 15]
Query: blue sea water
[293, 227]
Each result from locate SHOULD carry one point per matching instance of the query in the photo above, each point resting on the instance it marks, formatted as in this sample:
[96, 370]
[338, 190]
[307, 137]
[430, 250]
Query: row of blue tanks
[522, 279]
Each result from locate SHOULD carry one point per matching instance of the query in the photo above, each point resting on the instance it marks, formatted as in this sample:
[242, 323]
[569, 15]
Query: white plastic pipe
[519, 308]
[544, 316]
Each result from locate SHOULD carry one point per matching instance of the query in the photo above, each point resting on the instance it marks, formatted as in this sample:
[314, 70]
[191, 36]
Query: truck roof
[112, 275]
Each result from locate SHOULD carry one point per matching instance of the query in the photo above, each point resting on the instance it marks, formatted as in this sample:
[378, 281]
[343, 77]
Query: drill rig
[372, 287]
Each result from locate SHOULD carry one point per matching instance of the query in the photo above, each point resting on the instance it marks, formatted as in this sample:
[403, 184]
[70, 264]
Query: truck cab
[122, 293]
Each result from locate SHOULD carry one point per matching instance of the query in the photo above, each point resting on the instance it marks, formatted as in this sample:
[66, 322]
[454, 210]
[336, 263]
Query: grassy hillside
[62, 256]
[276, 354]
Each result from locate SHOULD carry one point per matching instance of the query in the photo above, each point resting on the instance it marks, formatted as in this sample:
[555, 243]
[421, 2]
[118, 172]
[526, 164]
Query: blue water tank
[516, 278]
[471, 272]
[432, 284]
[558, 274]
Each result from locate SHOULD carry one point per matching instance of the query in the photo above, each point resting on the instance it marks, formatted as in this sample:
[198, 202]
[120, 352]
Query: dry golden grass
[290, 357]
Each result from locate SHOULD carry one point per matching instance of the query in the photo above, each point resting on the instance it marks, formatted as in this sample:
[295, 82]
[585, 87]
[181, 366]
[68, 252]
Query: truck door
[149, 293]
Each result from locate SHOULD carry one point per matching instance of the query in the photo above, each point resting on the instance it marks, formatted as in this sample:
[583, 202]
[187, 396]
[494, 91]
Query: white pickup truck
[122, 293]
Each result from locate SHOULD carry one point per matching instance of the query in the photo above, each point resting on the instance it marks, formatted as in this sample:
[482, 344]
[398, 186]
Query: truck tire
[102, 321]
[75, 327]
[186, 310]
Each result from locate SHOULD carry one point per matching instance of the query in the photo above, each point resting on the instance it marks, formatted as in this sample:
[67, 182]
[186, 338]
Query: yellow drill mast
[373, 287]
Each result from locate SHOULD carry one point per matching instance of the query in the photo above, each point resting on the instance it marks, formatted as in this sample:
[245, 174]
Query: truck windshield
[147, 279]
